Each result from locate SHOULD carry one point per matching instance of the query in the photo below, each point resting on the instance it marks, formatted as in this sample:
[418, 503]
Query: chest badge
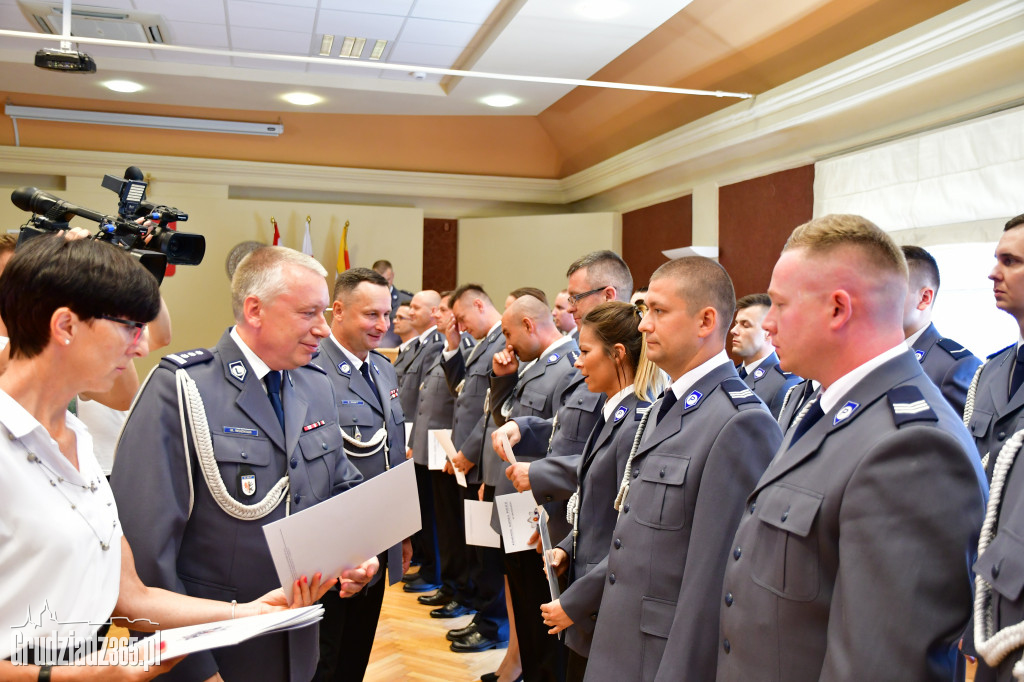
[249, 484]
[237, 369]
[845, 412]
[692, 399]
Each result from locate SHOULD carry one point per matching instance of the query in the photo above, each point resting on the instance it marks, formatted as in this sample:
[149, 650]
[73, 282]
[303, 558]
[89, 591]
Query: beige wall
[505, 253]
[199, 297]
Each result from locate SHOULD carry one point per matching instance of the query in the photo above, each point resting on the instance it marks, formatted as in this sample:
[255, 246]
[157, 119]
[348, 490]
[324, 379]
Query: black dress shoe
[419, 585]
[439, 598]
[452, 609]
[474, 642]
[410, 575]
[489, 677]
[459, 633]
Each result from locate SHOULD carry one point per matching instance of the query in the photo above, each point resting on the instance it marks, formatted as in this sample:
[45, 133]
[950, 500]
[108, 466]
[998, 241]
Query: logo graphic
[620, 413]
[759, 372]
[692, 399]
[237, 369]
[845, 412]
[344, 368]
[920, 355]
[249, 484]
[553, 358]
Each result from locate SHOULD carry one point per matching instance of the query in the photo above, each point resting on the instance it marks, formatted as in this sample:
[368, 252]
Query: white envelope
[478, 524]
[517, 514]
[443, 438]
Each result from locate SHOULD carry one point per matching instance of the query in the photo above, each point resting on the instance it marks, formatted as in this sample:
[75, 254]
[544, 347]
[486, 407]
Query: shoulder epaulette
[467, 342]
[784, 373]
[952, 347]
[1001, 351]
[908, 405]
[313, 365]
[738, 391]
[190, 357]
[641, 409]
[573, 357]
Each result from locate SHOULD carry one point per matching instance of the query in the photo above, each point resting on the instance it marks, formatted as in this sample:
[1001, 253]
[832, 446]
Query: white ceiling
[528, 37]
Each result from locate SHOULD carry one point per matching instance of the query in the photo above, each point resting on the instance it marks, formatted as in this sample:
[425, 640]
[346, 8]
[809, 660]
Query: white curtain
[957, 174]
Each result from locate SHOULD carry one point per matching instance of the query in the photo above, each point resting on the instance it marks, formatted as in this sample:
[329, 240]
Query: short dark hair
[529, 291]
[751, 300]
[922, 266]
[353, 277]
[606, 268]
[475, 289]
[89, 277]
[381, 266]
[702, 283]
[1014, 222]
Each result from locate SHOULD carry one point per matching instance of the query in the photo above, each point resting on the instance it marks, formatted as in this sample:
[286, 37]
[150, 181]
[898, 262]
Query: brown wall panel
[646, 232]
[755, 217]
[440, 253]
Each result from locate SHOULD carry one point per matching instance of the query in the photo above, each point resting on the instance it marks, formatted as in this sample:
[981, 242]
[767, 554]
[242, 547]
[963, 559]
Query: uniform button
[785, 515]
[245, 456]
[661, 474]
[548, 498]
[323, 445]
[995, 570]
[728, 598]
[753, 506]
[736, 553]
[726, 646]
[297, 498]
[593, 617]
[1001, 435]
[579, 401]
[636, 472]
[625, 510]
[295, 462]
[355, 419]
[618, 543]
[611, 578]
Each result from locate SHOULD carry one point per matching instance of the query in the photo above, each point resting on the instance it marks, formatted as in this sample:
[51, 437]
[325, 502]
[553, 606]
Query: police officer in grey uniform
[528, 379]
[995, 408]
[263, 430]
[946, 362]
[853, 558]
[759, 365]
[700, 451]
[469, 381]
[373, 428]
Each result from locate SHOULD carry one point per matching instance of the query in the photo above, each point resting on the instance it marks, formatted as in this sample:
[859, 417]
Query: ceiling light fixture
[352, 48]
[122, 86]
[326, 43]
[500, 100]
[601, 10]
[378, 49]
[304, 99]
[136, 121]
[383, 66]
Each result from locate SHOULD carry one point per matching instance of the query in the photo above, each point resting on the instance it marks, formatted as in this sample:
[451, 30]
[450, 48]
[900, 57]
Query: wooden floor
[410, 645]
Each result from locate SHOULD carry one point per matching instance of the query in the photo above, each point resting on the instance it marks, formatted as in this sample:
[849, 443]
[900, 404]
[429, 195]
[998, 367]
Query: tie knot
[273, 380]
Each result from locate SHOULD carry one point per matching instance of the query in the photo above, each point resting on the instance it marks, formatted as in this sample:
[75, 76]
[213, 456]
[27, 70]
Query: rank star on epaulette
[314, 425]
[845, 412]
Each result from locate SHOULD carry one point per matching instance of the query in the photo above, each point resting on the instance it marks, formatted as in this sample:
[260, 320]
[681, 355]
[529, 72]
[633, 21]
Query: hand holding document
[506, 448]
[176, 642]
[549, 550]
[442, 447]
[517, 514]
[348, 529]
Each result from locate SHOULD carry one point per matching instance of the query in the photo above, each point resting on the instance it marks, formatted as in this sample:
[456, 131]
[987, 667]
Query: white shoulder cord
[785, 401]
[969, 407]
[190, 404]
[624, 486]
[995, 647]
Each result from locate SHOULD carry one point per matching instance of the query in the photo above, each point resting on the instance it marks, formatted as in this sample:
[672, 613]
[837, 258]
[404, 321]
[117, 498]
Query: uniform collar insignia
[620, 413]
[237, 369]
[692, 399]
[345, 368]
[845, 412]
[759, 372]
[553, 358]
[920, 355]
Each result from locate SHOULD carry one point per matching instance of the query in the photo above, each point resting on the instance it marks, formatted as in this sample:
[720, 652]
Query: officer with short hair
[759, 365]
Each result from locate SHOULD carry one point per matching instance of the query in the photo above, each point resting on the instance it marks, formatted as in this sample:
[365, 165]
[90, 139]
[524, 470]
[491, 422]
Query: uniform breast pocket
[535, 401]
[579, 419]
[357, 419]
[980, 421]
[1002, 564]
[396, 411]
[660, 501]
[252, 450]
[785, 554]
[319, 469]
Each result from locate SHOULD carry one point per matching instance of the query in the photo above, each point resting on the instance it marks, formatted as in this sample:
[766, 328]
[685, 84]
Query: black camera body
[163, 246]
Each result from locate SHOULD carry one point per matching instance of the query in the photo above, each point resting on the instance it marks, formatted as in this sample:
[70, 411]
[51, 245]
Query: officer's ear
[252, 311]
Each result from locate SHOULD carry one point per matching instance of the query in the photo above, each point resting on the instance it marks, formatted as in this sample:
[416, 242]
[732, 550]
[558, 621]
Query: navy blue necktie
[743, 372]
[666, 404]
[814, 413]
[364, 369]
[273, 380]
[1017, 377]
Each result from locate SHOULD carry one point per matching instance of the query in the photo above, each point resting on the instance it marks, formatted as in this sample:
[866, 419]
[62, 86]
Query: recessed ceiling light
[601, 10]
[378, 49]
[302, 98]
[326, 43]
[122, 86]
[500, 100]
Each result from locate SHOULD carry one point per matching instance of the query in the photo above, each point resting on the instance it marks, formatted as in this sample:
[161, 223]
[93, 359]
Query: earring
[67, 342]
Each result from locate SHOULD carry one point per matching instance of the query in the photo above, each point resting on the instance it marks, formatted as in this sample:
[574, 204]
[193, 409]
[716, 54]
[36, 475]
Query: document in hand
[441, 442]
[549, 550]
[346, 530]
[517, 514]
[175, 642]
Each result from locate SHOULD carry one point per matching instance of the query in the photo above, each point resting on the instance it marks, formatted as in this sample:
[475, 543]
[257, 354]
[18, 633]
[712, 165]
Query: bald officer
[853, 558]
[263, 440]
[759, 365]
[701, 450]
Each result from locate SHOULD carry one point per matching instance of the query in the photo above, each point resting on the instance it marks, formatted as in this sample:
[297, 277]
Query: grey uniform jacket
[559, 444]
[435, 404]
[537, 393]
[852, 561]
[693, 470]
[469, 380]
[948, 364]
[995, 414]
[195, 547]
[362, 411]
[411, 373]
[770, 383]
[600, 472]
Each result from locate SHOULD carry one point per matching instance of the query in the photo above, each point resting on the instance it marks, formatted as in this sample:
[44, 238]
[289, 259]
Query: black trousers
[543, 655]
[487, 579]
[347, 631]
[424, 541]
[451, 536]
